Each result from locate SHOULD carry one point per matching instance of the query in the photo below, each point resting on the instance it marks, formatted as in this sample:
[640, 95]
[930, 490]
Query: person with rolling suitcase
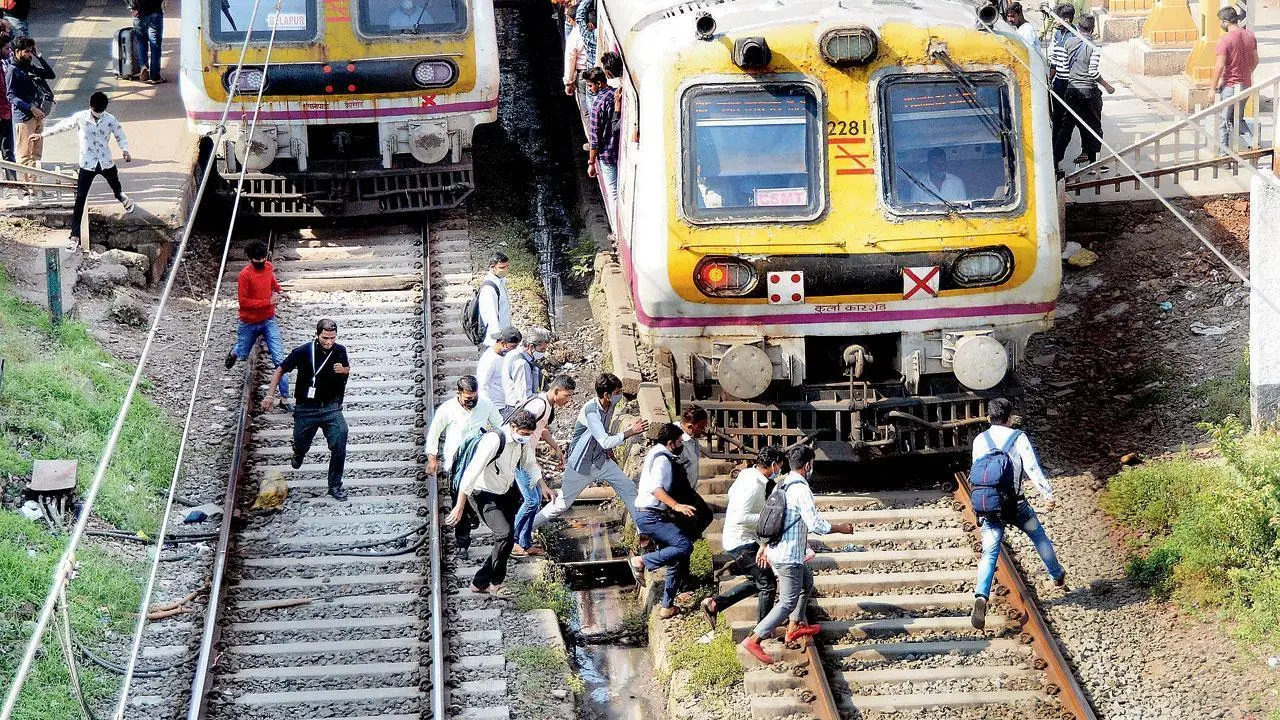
[148, 33]
[125, 54]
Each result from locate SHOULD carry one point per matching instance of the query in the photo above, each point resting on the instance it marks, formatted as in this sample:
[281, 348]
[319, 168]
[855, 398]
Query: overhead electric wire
[66, 563]
[1235, 270]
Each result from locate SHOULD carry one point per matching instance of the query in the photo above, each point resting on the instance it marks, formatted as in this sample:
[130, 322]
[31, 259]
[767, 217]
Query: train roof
[670, 24]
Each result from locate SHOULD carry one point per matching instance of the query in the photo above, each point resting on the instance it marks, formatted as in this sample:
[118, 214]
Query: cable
[66, 564]
[343, 550]
[1182, 118]
[122, 700]
[1143, 181]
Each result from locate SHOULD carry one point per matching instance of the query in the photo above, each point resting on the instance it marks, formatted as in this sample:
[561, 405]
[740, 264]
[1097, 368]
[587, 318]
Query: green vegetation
[713, 666]
[581, 255]
[1209, 540]
[1227, 396]
[542, 669]
[548, 591]
[102, 599]
[60, 397]
[514, 238]
[700, 560]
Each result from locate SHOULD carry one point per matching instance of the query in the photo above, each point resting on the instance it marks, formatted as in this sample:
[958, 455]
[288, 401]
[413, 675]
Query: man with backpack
[788, 516]
[543, 406]
[1001, 457]
[591, 452]
[489, 367]
[521, 374]
[26, 83]
[488, 481]
[740, 541]
[461, 418]
[657, 511]
[489, 310]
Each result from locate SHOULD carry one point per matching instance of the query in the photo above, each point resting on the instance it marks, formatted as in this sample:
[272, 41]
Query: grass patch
[102, 598]
[713, 666]
[548, 591]
[580, 255]
[513, 237]
[1211, 541]
[700, 560]
[1228, 395]
[60, 397]
[540, 670]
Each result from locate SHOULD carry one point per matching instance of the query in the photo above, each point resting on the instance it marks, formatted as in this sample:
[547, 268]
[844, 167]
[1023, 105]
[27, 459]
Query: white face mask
[522, 439]
[538, 354]
[614, 83]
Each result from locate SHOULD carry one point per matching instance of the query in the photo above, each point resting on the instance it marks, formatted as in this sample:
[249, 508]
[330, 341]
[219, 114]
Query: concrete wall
[1264, 316]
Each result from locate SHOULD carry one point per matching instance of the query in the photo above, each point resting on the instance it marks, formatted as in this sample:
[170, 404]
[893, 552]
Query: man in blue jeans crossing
[1022, 456]
[258, 292]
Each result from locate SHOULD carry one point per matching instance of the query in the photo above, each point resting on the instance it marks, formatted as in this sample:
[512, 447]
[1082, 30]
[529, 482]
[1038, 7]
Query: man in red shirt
[1233, 72]
[259, 292]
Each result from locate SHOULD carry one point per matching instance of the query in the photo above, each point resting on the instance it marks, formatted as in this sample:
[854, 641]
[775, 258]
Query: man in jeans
[258, 292]
[148, 34]
[6, 109]
[788, 556]
[656, 511]
[1023, 458]
[1237, 53]
[488, 480]
[739, 540]
[322, 382]
[602, 138]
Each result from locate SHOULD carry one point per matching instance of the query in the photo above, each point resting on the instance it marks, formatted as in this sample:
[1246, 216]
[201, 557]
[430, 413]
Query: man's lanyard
[315, 371]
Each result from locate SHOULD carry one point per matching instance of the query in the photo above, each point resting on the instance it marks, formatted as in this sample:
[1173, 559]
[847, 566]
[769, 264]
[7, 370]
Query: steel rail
[824, 701]
[433, 498]
[1069, 693]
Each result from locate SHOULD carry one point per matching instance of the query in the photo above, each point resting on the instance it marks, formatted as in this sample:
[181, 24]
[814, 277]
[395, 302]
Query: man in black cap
[489, 368]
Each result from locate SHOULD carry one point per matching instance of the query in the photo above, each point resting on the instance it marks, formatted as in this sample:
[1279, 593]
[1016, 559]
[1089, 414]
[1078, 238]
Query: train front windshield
[412, 17]
[751, 152]
[230, 19]
[948, 143]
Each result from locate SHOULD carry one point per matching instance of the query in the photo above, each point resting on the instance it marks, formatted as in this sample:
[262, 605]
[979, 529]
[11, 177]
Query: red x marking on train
[916, 279]
[428, 101]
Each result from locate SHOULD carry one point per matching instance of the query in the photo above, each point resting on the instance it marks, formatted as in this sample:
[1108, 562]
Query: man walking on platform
[148, 35]
[25, 82]
[1013, 447]
[521, 374]
[543, 406]
[740, 542]
[1237, 53]
[489, 367]
[656, 513]
[258, 292]
[95, 127]
[323, 371]
[6, 109]
[488, 480]
[591, 452]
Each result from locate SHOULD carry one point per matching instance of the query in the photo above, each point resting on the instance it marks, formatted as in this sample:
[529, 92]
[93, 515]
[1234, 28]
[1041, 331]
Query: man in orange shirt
[259, 292]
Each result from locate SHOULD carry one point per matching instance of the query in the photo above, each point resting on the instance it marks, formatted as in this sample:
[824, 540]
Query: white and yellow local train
[368, 106]
[839, 218]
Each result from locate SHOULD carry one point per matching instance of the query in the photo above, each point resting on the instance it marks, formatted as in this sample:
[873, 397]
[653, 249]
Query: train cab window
[296, 20]
[411, 17]
[751, 152]
[947, 143]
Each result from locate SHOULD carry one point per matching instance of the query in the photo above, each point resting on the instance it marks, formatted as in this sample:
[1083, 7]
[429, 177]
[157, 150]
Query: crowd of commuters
[594, 80]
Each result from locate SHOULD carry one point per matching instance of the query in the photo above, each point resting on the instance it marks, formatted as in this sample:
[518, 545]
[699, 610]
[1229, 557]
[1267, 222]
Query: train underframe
[354, 192]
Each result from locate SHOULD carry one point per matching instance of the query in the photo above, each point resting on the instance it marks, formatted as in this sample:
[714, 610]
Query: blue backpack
[993, 488]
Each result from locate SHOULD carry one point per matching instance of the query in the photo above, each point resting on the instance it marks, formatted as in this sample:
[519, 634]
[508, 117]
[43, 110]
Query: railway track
[893, 599]
[349, 610]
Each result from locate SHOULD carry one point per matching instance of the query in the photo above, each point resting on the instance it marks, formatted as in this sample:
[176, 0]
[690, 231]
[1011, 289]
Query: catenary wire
[66, 563]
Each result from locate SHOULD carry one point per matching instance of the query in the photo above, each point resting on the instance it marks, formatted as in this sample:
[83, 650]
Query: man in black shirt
[148, 35]
[322, 379]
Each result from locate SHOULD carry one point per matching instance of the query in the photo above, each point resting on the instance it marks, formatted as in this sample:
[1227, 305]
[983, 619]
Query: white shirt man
[655, 473]
[456, 423]
[521, 376]
[742, 514]
[489, 367]
[1022, 456]
[494, 302]
[948, 187]
[95, 137]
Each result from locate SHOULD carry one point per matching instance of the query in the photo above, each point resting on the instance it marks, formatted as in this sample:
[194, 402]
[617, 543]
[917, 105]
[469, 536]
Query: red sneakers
[803, 631]
[752, 645]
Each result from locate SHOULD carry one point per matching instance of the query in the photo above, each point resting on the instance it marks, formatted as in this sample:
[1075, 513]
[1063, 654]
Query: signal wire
[65, 567]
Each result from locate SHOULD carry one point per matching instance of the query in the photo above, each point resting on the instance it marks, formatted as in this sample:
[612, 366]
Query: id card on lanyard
[315, 371]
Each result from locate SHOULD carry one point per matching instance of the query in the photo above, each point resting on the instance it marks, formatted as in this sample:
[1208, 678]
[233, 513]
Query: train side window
[412, 17]
[947, 143]
[229, 19]
[751, 152]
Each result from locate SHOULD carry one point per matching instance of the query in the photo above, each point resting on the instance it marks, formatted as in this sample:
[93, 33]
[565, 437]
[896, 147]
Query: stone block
[1190, 96]
[103, 278]
[137, 265]
[1264, 320]
[1156, 62]
[129, 308]
[1119, 28]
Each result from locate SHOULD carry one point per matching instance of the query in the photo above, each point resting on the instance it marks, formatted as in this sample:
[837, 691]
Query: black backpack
[472, 326]
[770, 526]
[992, 486]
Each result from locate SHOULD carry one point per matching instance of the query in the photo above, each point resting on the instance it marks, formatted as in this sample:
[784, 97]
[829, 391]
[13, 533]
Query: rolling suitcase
[125, 54]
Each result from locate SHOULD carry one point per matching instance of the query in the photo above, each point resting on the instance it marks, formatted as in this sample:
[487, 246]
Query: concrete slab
[76, 37]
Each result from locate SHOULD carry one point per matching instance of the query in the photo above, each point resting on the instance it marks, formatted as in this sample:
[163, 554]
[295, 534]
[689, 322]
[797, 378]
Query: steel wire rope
[1146, 184]
[1180, 118]
[233, 91]
[66, 563]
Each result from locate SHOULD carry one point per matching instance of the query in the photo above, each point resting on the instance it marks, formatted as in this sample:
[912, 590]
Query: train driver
[936, 182]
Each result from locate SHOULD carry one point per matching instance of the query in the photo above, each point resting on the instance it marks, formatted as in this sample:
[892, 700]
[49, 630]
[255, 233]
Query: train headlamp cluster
[433, 73]
[725, 277]
[244, 80]
[982, 267]
[849, 47]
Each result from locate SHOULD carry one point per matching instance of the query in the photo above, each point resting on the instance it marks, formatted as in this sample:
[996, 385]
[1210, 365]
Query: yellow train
[368, 105]
[839, 218]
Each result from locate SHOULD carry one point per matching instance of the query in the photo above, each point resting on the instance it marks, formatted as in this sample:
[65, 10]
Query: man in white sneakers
[95, 127]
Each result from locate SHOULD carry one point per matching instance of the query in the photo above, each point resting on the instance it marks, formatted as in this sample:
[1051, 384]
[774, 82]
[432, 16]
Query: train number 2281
[842, 127]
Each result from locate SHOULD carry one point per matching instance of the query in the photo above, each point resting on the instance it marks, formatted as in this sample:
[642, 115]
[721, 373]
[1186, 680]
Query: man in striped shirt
[1078, 60]
[787, 556]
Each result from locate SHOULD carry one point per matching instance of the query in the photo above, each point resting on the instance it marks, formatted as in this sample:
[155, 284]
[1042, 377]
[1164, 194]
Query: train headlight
[433, 73]
[982, 267]
[725, 277]
[848, 47]
[244, 80]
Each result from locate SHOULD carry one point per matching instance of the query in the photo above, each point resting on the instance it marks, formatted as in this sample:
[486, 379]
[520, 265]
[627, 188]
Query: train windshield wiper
[989, 117]
[952, 207]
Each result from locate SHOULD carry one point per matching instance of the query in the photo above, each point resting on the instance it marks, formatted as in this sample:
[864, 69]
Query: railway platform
[76, 37]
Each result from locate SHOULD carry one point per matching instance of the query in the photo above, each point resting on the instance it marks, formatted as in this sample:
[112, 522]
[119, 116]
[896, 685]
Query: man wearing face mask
[521, 373]
[543, 406]
[95, 128]
[657, 513]
[489, 368]
[457, 419]
[323, 370]
[740, 542]
[258, 292]
[488, 481]
[494, 301]
[6, 109]
[591, 452]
